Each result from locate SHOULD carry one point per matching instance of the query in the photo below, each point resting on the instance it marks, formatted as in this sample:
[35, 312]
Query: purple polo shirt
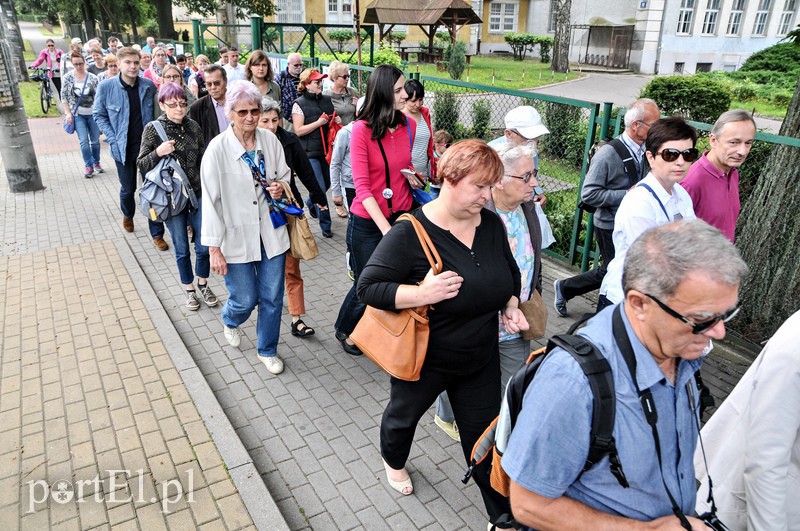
[715, 195]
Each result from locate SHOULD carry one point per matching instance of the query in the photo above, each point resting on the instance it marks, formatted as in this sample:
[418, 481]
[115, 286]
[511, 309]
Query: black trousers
[475, 402]
[591, 280]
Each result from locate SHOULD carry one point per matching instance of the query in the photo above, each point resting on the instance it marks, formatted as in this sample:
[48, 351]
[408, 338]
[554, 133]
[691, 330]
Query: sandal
[403, 487]
[300, 329]
[340, 211]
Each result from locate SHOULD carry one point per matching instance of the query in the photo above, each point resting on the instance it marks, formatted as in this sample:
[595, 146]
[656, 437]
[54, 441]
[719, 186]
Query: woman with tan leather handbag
[479, 279]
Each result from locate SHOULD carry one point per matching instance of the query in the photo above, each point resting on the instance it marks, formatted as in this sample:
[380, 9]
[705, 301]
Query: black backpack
[627, 161]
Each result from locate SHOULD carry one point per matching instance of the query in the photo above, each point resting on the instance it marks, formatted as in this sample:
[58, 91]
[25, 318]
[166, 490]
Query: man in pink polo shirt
[713, 181]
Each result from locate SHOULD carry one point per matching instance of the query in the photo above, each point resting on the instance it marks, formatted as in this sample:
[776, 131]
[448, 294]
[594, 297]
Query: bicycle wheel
[44, 96]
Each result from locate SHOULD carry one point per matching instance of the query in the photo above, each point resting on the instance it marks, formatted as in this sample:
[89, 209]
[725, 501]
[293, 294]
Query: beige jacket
[235, 212]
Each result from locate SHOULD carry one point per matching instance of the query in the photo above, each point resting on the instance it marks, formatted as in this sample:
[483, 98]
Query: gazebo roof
[421, 12]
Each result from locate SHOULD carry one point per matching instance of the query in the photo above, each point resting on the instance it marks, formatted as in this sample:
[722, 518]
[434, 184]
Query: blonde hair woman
[197, 82]
[344, 97]
[173, 74]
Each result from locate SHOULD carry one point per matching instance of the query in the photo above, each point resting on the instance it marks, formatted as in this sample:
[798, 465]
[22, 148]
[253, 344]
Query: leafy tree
[520, 43]
[242, 8]
[341, 36]
[545, 45]
[396, 37]
[697, 97]
[769, 236]
[445, 111]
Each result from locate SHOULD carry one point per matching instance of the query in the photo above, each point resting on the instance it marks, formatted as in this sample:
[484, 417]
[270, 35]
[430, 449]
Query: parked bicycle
[42, 75]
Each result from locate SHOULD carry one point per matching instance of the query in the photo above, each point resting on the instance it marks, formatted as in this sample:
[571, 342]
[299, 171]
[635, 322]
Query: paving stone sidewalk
[312, 432]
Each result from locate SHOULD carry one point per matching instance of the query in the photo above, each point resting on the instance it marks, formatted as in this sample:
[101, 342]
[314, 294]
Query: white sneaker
[233, 336]
[272, 363]
[450, 428]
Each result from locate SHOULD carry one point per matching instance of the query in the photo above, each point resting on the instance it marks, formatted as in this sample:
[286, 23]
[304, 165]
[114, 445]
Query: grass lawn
[507, 73]
[763, 108]
[55, 33]
[30, 100]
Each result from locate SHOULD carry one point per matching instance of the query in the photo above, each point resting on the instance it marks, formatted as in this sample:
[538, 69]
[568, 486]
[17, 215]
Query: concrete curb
[245, 477]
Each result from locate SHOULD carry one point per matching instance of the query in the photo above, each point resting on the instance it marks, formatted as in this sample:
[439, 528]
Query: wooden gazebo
[427, 14]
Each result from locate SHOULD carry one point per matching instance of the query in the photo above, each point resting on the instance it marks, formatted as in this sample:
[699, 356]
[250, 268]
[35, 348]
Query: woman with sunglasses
[156, 69]
[258, 70]
[311, 113]
[344, 97]
[657, 199]
[185, 143]
[51, 56]
[112, 67]
[240, 170]
[77, 95]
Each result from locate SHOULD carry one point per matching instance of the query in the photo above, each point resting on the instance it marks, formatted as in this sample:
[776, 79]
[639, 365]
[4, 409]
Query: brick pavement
[312, 432]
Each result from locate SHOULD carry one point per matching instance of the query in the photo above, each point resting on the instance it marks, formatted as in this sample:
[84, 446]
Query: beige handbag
[302, 244]
[535, 313]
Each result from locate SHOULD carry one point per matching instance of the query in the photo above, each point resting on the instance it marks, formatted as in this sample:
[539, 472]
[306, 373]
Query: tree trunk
[166, 28]
[88, 19]
[561, 38]
[8, 17]
[769, 238]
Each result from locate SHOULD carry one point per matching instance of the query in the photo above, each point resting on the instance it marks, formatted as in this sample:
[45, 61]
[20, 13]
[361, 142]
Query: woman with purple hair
[185, 143]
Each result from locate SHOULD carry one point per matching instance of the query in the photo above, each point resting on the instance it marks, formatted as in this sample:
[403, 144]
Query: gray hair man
[614, 169]
[287, 80]
[681, 283]
[713, 182]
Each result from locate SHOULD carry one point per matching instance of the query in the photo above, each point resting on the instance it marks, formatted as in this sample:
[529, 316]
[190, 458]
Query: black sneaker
[560, 303]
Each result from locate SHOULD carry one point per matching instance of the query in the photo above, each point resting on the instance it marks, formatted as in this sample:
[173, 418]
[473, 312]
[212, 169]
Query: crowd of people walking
[243, 134]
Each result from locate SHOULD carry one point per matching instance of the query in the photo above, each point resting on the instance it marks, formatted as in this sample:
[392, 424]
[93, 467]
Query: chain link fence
[475, 111]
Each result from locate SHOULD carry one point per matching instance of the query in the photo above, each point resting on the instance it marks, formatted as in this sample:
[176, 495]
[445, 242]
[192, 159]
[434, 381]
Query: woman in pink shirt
[380, 147]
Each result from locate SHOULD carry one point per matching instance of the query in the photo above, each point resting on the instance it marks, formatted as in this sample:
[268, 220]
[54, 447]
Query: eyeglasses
[78, 64]
[174, 77]
[644, 123]
[525, 177]
[698, 328]
[51, 45]
[671, 155]
[252, 112]
[346, 76]
[214, 83]
[172, 104]
[295, 65]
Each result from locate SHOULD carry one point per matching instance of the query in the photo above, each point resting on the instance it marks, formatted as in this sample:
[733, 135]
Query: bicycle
[42, 75]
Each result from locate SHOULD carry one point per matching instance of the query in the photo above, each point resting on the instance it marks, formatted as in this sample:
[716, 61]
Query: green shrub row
[522, 43]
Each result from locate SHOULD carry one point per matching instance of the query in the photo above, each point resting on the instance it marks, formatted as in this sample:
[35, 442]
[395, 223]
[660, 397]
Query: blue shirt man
[670, 322]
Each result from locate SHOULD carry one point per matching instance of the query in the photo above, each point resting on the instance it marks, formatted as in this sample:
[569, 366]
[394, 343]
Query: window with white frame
[340, 12]
[735, 18]
[502, 17]
[711, 17]
[762, 15]
[685, 17]
[551, 20]
[785, 24]
[290, 11]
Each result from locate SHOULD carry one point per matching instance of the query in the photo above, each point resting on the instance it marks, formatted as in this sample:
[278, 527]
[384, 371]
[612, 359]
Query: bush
[387, 56]
[781, 97]
[744, 91]
[341, 37]
[456, 58]
[520, 43]
[545, 45]
[783, 57]
[396, 37]
[481, 119]
[567, 138]
[697, 97]
[445, 111]
[270, 37]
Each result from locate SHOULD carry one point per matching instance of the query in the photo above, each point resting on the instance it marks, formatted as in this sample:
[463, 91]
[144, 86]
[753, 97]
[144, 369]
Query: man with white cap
[523, 126]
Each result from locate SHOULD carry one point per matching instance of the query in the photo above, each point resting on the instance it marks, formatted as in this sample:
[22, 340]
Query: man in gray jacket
[615, 168]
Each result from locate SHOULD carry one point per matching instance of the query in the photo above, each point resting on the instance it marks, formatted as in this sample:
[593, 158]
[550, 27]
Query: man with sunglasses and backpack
[681, 284]
[713, 183]
[615, 168]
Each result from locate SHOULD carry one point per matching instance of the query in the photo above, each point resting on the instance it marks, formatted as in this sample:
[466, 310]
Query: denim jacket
[112, 112]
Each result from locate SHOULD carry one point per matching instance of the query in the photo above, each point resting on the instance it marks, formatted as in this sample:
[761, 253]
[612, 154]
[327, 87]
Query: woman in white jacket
[239, 174]
[752, 442]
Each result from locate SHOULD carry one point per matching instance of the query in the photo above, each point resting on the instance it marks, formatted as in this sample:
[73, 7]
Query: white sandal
[404, 487]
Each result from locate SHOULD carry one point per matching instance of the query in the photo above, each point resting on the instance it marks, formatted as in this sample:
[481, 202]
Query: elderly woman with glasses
[657, 199]
[241, 227]
[344, 97]
[77, 95]
[156, 69]
[185, 143]
[311, 113]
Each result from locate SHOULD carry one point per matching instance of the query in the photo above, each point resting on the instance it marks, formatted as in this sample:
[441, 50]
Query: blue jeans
[257, 283]
[323, 175]
[363, 236]
[180, 242]
[127, 195]
[89, 137]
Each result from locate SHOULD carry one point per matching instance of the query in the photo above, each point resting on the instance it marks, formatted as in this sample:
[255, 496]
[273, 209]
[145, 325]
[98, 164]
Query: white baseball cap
[76, 40]
[526, 121]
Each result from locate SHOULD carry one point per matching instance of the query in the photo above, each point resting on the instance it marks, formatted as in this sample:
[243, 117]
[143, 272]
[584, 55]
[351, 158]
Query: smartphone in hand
[411, 174]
